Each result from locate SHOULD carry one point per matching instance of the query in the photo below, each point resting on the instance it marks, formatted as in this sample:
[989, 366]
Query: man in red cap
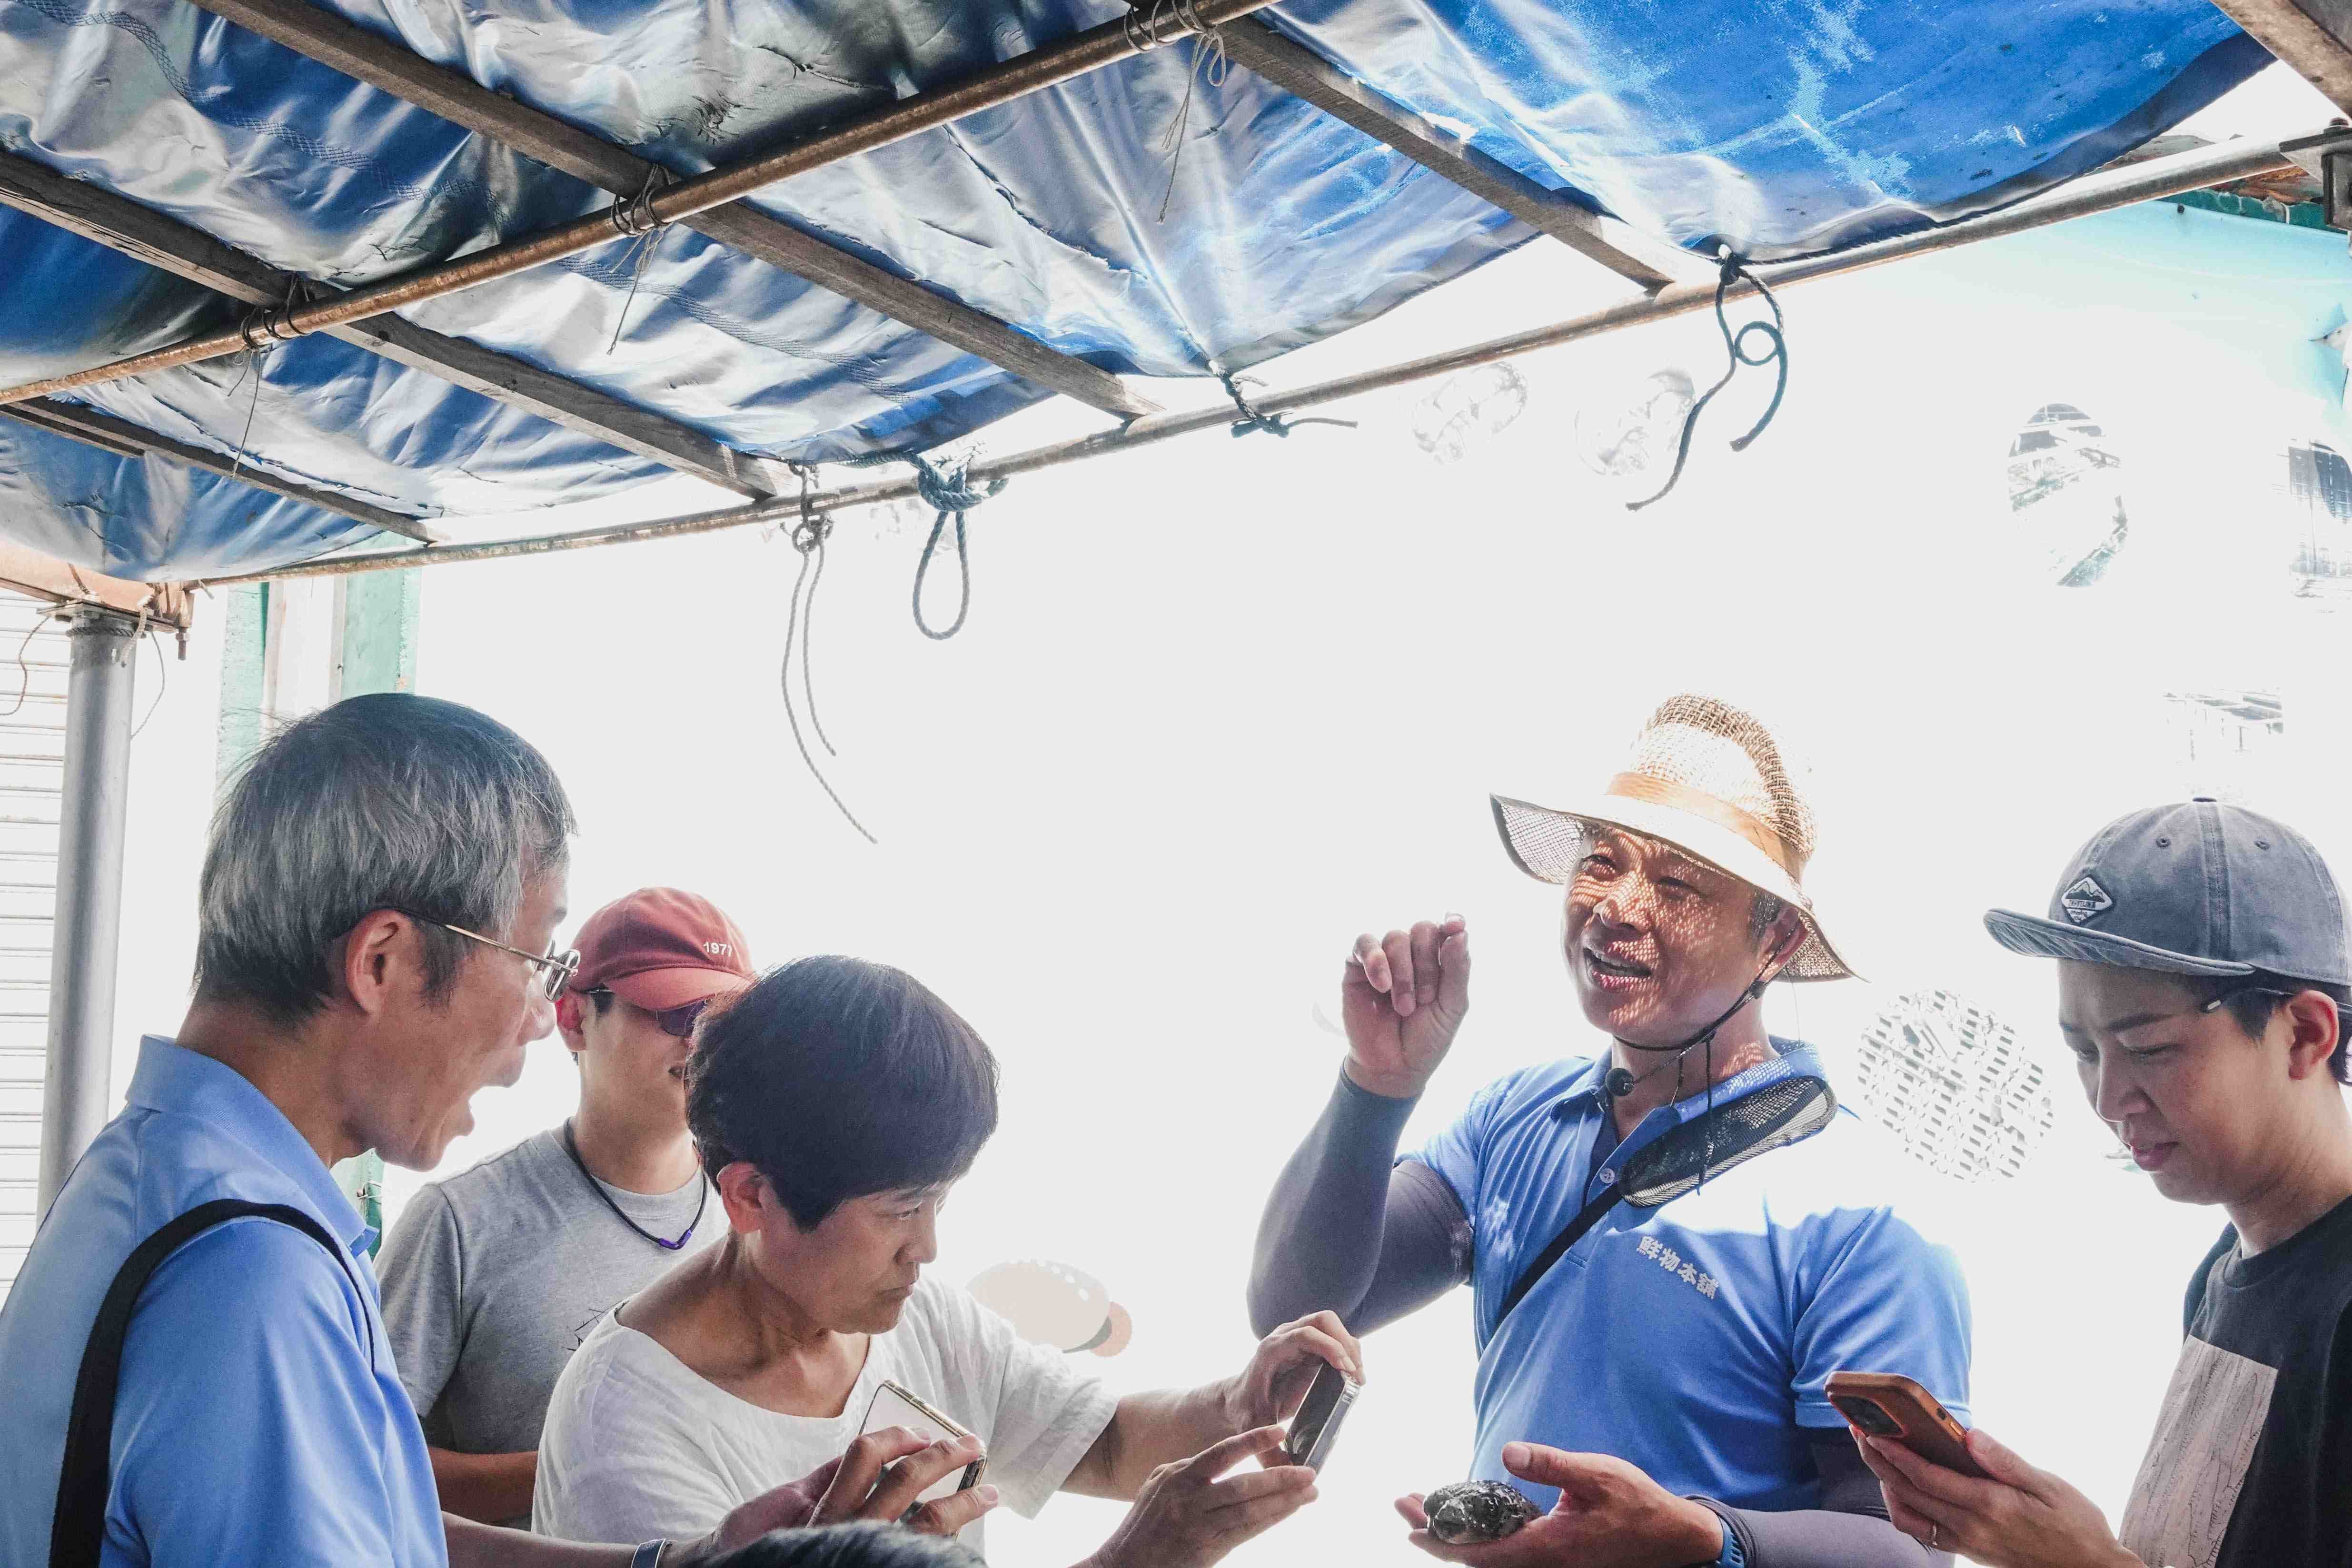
[492, 1278]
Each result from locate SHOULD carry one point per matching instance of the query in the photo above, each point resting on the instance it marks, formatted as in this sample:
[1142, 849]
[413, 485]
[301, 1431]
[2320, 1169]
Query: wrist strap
[649, 1555]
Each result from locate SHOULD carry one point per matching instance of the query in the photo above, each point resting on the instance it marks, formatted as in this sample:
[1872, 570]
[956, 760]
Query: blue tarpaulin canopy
[1112, 217]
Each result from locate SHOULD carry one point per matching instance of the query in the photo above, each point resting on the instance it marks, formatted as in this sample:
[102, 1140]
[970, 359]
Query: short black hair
[1766, 910]
[2254, 997]
[866, 1545]
[837, 1079]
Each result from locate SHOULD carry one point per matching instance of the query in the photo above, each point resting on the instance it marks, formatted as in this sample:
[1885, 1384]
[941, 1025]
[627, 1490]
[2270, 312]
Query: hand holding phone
[1889, 1405]
[1317, 1424]
[894, 1406]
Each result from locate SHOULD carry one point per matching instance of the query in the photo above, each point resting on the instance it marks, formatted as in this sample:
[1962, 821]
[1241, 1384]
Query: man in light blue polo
[373, 947]
[1659, 1374]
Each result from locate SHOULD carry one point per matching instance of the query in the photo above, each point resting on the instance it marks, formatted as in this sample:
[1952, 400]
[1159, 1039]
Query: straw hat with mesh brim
[1709, 780]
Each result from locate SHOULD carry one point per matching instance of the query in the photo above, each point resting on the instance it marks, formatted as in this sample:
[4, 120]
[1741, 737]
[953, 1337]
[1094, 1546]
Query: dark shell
[1476, 1510]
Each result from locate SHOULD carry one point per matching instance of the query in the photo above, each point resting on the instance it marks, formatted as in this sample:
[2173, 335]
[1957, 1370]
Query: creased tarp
[1785, 127]
[1780, 126]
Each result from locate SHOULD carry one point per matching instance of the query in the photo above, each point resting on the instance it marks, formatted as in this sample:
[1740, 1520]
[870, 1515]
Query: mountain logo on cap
[2085, 901]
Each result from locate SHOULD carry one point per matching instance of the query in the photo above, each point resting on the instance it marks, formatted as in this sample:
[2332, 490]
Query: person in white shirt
[834, 1104]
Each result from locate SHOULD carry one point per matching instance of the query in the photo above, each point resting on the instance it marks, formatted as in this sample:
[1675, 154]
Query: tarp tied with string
[1167, 215]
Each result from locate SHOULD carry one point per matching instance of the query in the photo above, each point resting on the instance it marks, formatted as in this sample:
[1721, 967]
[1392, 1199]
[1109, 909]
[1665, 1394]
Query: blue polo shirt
[1691, 1339]
[260, 1419]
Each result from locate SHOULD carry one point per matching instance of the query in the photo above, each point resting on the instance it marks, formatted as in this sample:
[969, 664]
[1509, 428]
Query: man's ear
[2315, 1029]
[382, 959]
[1786, 934]
[747, 1196]
[568, 1011]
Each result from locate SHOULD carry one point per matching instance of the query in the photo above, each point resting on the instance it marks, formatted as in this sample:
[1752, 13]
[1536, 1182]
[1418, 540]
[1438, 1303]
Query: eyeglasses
[558, 968]
[675, 1022]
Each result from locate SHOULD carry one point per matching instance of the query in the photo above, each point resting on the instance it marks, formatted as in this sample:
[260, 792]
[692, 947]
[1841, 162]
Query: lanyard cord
[589, 1176]
[1620, 1082]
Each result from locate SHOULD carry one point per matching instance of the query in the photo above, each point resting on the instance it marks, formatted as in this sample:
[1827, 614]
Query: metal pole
[2099, 192]
[998, 84]
[80, 1089]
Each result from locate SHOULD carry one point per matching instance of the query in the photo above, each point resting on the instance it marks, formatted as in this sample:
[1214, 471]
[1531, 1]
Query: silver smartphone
[894, 1406]
[1317, 1425]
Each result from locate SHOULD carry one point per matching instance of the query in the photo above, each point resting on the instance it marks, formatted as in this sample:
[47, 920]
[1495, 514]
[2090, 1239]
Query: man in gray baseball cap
[2202, 978]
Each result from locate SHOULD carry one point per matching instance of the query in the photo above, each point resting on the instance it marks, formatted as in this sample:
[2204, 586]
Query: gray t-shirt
[492, 1279]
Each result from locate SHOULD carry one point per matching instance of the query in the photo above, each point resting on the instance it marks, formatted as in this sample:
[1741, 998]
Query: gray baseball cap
[2195, 888]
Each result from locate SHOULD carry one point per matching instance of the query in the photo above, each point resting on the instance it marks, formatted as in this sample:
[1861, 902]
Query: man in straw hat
[2202, 978]
[1659, 1373]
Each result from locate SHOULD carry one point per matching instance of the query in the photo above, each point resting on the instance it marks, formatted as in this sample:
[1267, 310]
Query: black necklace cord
[1618, 1087]
[572, 1149]
[1620, 1082]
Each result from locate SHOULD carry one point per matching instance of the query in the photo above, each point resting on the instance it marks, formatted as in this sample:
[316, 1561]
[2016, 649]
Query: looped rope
[951, 493]
[1251, 421]
[1209, 58]
[1776, 352]
[262, 330]
[635, 216]
[635, 219]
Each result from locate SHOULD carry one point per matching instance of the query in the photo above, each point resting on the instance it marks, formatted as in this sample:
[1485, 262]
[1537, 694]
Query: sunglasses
[675, 1022]
[556, 968]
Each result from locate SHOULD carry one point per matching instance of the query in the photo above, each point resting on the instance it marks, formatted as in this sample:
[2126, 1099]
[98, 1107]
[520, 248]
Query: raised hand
[1402, 997]
[1186, 1517]
[1276, 1381]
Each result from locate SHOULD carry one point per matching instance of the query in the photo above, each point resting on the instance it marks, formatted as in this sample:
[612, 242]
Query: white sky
[1222, 704]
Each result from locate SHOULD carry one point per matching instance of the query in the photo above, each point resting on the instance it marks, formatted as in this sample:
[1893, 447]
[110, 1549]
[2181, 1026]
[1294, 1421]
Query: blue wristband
[649, 1555]
[1730, 1556]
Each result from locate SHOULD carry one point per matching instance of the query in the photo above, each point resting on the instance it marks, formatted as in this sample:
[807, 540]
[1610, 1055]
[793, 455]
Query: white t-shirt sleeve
[1044, 1414]
[621, 1461]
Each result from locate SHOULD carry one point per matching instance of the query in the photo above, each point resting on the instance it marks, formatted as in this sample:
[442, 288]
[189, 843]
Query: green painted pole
[377, 652]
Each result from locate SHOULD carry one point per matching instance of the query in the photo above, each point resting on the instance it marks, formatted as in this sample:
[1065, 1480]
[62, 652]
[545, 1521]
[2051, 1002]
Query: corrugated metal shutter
[32, 759]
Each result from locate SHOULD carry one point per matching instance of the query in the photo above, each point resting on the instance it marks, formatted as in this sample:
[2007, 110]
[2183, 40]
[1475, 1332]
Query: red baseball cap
[660, 948]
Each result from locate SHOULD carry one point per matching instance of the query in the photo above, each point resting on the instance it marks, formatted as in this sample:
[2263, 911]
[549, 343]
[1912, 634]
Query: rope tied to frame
[809, 536]
[949, 491]
[1251, 421]
[1142, 23]
[263, 330]
[1775, 354]
[635, 219]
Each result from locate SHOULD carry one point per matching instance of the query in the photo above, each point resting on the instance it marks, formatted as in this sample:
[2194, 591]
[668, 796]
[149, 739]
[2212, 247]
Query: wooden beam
[125, 439]
[166, 604]
[2313, 36]
[120, 224]
[388, 66]
[1254, 45]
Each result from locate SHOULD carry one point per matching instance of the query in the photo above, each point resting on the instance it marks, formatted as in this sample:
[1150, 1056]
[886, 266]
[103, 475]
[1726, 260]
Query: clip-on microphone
[1622, 1081]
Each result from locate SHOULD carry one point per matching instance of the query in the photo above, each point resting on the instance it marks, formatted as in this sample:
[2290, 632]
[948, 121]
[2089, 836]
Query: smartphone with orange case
[1887, 1404]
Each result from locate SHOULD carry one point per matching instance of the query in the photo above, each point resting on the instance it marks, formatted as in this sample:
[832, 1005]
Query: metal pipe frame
[28, 571]
[2100, 191]
[77, 1092]
[121, 225]
[1073, 56]
[384, 65]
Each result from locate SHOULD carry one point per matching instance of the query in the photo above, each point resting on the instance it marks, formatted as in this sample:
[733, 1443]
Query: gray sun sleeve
[1848, 1531]
[1352, 1229]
